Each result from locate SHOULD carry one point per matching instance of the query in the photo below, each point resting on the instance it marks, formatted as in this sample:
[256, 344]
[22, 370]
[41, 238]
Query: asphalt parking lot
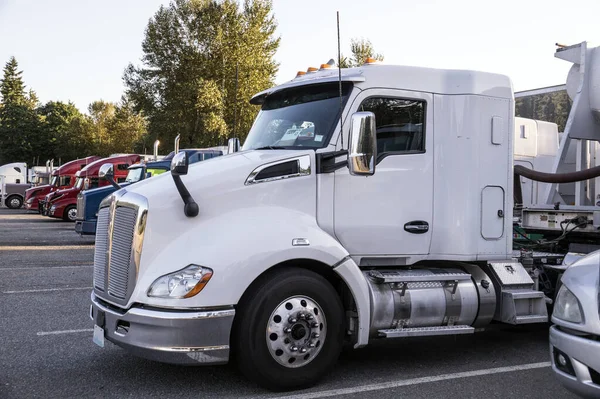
[46, 347]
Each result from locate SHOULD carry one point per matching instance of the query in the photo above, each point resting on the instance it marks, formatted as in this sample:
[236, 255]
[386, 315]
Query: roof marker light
[311, 69]
[324, 66]
[300, 73]
[371, 60]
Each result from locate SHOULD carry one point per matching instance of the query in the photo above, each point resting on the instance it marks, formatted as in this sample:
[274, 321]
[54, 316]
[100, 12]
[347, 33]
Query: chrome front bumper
[170, 336]
[584, 354]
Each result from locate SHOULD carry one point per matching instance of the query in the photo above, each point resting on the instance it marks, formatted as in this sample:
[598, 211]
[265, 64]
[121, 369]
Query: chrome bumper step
[426, 331]
[416, 276]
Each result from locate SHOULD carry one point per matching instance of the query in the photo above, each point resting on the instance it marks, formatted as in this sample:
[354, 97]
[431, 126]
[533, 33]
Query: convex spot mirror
[179, 164]
[362, 152]
[106, 170]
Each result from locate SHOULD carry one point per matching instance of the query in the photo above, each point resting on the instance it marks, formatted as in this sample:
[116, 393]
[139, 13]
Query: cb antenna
[340, 80]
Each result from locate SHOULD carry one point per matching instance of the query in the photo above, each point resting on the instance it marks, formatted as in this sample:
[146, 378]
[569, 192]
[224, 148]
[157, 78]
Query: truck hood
[61, 193]
[234, 215]
[218, 175]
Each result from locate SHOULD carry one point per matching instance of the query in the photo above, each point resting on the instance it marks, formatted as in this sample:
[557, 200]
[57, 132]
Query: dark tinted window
[400, 124]
[122, 166]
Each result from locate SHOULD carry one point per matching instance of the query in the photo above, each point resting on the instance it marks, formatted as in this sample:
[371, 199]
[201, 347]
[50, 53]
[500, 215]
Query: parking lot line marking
[44, 247]
[41, 333]
[415, 381]
[46, 267]
[47, 290]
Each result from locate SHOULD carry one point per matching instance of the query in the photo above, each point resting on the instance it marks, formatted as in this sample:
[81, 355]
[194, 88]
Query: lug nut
[314, 324]
[311, 345]
[287, 330]
[316, 335]
[309, 317]
[292, 320]
[294, 348]
[302, 350]
[301, 316]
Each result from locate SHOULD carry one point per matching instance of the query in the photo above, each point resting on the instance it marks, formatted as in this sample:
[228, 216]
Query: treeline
[33, 132]
[551, 107]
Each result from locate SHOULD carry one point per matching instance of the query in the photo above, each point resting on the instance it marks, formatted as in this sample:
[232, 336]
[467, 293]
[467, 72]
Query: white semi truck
[396, 223]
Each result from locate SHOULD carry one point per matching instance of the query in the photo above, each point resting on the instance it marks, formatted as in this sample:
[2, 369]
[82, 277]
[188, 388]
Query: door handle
[417, 227]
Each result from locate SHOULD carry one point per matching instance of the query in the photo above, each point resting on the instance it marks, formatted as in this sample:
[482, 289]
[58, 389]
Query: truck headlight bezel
[567, 307]
[181, 284]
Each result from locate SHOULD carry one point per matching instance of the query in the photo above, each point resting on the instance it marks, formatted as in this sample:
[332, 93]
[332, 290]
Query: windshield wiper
[270, 147]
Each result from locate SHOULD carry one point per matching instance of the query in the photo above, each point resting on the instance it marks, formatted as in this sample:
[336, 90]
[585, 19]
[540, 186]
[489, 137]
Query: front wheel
[289, 331]
[14, 202]
[70, 213]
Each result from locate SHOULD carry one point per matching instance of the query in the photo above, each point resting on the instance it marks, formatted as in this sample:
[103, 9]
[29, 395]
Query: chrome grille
[120, 255]
[101, 247]
[119, 236]
[80, 207]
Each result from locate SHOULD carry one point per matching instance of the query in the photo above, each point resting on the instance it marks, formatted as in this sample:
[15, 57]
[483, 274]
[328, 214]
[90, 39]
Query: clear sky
[77, 49]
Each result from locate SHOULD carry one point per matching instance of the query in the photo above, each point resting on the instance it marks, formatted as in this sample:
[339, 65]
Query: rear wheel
[14, 202]
[70, 213]
[289, 330]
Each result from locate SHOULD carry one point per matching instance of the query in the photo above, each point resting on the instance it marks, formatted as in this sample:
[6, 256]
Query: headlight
[567, 306]
[184, 283]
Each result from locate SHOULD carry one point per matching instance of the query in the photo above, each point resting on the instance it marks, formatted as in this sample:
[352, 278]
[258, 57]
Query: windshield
[79, 183]
[298, 117]
[54, 181]
[134, 175]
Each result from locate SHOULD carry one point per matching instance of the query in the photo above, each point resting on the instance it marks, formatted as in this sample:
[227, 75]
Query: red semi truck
[61, 178]
[63, 203]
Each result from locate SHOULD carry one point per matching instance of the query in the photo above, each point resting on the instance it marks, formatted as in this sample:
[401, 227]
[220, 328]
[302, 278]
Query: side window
[93, 182]
[197, 157]
[122, 166]
[400, 124]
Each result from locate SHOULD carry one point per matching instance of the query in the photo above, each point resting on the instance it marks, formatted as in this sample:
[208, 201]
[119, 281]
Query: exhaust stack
[177, 143]
[156, 144]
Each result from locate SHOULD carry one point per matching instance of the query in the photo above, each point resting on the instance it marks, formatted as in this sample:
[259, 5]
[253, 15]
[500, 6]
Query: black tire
[14, 202]
[70, 210]
[249, 340]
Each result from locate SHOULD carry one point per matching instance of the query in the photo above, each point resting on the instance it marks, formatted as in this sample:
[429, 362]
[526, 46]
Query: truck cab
[63, 203]
[61, 178]
[88, 201]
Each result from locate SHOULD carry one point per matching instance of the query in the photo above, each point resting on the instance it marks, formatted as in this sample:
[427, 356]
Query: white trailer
[395, 223]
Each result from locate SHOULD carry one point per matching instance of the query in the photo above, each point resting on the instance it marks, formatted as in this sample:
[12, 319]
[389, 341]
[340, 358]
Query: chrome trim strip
[304, 169]
[193, 349]
[209, 314]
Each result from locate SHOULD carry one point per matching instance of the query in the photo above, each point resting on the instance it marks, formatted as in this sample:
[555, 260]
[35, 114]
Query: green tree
[193, 52]
[125, 128]
[67, 131]
[19, 123]
[361, 49]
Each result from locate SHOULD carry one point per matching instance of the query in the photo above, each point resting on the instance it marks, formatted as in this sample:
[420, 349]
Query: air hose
[571, 177]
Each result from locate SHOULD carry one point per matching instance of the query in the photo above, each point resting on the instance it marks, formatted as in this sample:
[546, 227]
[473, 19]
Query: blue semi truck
[88, 201]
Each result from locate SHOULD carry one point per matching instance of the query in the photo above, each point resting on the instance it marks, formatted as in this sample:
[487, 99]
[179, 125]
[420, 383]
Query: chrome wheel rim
[72, 214]
[15, 202]
[296, 331]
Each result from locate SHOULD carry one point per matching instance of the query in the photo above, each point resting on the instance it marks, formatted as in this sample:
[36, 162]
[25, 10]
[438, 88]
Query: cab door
[391, 212]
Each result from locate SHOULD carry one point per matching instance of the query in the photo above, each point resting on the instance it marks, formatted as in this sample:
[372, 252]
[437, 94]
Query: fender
[237, 252]
[348, 270]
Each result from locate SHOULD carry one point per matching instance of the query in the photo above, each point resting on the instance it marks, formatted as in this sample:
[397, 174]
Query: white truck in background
[17, 177]
[396, 223]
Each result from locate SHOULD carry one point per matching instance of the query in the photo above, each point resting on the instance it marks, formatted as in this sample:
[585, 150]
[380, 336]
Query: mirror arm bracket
[112, 181]
[190, 208]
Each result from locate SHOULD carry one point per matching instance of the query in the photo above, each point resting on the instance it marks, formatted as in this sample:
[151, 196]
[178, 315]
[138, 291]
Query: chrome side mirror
[362, 153]
[233, 145]
[179, 164]
[107, 172]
